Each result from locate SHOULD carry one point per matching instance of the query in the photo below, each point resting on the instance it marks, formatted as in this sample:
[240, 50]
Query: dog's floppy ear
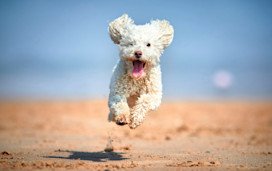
[118, 26]
[166, 32]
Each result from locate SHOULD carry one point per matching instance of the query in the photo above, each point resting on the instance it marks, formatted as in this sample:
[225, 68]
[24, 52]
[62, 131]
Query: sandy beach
[178, 136]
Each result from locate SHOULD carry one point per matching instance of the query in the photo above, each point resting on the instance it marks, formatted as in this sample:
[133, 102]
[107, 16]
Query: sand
[178, 136]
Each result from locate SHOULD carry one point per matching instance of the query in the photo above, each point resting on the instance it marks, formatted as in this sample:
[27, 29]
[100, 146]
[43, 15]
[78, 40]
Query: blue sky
[63, 37]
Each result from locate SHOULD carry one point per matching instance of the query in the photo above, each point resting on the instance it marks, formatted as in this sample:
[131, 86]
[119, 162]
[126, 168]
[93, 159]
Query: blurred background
[61, 50]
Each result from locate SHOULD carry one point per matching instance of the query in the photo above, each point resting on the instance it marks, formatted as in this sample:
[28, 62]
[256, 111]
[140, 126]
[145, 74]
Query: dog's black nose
[138, 54]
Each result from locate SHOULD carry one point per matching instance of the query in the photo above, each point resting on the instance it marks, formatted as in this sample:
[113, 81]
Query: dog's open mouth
[138, 68]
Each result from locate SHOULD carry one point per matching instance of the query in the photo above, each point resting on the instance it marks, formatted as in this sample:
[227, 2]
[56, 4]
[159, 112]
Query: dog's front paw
[133, 125]
[122, 120]
[136, 118]
[135, 122]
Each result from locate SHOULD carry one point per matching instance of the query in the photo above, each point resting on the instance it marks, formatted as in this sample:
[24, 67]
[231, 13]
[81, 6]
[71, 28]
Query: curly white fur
[131, 98]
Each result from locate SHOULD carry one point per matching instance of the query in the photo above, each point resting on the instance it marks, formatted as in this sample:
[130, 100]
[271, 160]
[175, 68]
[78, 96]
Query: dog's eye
[131, 44]
[148, 44]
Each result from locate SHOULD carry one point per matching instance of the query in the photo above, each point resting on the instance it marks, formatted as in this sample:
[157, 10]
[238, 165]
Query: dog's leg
[144, 103]
[119, 109]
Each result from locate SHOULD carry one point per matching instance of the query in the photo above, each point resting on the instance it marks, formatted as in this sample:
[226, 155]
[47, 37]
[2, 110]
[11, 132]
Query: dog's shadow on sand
[99, 156]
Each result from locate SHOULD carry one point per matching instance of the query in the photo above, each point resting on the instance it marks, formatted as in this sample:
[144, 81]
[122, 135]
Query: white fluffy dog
[136, 85]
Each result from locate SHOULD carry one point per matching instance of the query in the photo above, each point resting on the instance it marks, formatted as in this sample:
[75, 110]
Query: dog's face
[140, 45]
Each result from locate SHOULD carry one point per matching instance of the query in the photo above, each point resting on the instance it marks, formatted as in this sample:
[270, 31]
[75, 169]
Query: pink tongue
[138, 69]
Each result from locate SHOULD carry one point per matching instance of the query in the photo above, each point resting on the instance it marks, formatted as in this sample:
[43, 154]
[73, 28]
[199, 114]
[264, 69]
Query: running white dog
[136, 85]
